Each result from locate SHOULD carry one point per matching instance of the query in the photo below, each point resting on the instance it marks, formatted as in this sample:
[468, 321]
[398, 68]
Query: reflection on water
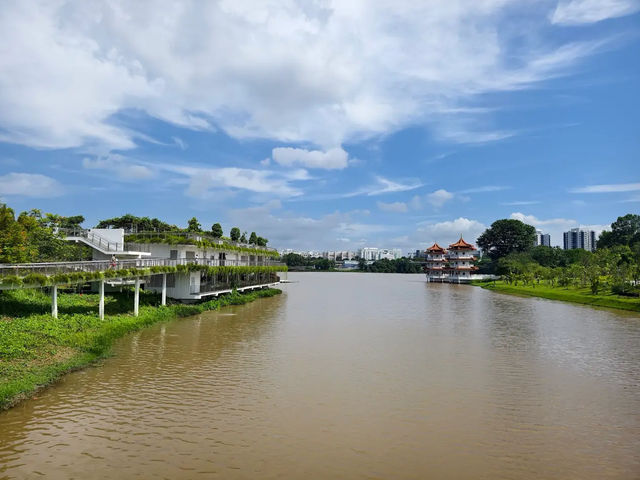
[349, 376]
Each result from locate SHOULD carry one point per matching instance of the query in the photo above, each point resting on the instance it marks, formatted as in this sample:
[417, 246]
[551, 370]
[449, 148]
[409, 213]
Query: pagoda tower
[461, 258]
[435, 265]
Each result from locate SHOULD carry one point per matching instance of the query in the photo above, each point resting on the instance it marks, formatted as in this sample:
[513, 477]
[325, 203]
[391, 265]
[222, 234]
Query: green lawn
[568, 294]
[36, 349]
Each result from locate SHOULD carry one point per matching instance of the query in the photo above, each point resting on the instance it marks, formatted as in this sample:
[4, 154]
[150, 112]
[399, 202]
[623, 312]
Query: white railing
[52, 268]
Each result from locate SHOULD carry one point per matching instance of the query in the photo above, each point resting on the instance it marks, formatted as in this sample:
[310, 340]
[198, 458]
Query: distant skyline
[325, 125]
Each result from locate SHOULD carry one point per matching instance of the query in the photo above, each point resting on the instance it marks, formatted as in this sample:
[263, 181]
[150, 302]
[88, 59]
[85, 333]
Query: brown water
[349, 376]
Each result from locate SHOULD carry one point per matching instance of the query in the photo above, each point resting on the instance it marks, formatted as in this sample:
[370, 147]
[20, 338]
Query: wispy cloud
[326, 75]
[201, 181]
[485, 189]
[394, 207]
[124, 168]
[607, 188]
[29, 185]
[521, 202]
[332, 159]
[575, 12]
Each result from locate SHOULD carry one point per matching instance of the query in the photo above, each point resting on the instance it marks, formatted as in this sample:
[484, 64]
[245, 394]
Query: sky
[324, 125]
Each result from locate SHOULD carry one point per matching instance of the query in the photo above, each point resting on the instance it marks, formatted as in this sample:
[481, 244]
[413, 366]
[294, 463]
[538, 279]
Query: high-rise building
[580, 238]
[543, 239]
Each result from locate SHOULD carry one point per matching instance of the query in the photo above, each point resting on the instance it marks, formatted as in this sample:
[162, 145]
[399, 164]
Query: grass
[566, 294]
[36, 349]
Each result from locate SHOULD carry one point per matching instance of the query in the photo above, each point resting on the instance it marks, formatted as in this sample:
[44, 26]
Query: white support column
[101, 303]
[54, 301]
[164, 289]
[136, 298]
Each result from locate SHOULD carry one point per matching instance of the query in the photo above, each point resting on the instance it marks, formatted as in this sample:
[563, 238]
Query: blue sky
[325, 125]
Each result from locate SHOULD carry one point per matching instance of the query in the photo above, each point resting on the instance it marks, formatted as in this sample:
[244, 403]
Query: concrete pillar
[54, 301]
[136, 298]
[164, 289]
[101, 303]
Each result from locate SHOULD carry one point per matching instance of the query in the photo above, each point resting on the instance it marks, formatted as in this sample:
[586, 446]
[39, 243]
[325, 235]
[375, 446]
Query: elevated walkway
[101, 243]
[123, 272]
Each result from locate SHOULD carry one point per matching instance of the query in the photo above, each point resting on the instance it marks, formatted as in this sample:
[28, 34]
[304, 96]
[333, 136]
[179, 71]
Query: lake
[354, 376]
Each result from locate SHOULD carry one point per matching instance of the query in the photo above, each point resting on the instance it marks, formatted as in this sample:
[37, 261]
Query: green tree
[235, 234]
[261, 242]
[253, 238]
[294, 260]
[14, 241]
[193, 225]
[624, 231]
[137, 224]
[243, 237]
[324, 264]
[506, 236]
[216, 230]
[362, 264]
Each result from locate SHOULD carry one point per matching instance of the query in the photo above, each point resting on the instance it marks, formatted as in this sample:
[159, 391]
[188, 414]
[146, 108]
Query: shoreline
[36, 350]
[579, 296]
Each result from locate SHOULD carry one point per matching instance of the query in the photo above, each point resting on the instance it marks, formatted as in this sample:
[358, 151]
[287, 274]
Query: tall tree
[137, 224]
[253, 238]
[506, 236]
[243, 237]
[235, 234]
[216, 230]
[14, 241]
[261, 242]
[624, 231]
[193, 225]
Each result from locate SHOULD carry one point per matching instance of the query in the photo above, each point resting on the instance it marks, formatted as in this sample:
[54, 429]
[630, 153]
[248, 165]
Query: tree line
[145, 224]
[400, 265]
[33, 237]
[508, 250]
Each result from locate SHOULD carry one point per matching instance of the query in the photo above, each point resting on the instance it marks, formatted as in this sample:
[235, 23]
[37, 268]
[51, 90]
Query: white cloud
[322, 73]
[439, 197]
[449, 231]
[384, 185]
[575, 12]
[332, 159]
[122, 167]
[610, 188]
[29, 185]
[203, 181]
[536, 222]
[291, 230]
[394, 207]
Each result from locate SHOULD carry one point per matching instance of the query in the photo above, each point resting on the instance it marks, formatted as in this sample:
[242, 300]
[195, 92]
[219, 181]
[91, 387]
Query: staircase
[98, 242]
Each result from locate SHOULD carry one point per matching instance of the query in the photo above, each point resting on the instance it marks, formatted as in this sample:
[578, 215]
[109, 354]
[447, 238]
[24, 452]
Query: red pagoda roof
[435, 248]
[461, 244]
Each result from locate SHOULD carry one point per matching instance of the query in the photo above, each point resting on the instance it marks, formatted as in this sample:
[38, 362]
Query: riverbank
[36, 349]
[570, 294]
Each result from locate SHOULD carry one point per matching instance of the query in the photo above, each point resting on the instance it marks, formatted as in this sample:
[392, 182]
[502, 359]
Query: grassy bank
[36, 349]
[566, 294]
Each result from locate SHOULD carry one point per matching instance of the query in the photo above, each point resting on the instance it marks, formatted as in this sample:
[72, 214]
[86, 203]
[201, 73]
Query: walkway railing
[198, 236]
[94, 239]
[52, 268]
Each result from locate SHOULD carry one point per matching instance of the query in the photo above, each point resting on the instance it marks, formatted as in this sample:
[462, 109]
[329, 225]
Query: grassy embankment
[566, 294]
[36, 349]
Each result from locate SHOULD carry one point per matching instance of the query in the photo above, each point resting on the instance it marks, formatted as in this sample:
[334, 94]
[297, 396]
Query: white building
[580, 238]
[197, 250]
[542, 239]
[369, 253]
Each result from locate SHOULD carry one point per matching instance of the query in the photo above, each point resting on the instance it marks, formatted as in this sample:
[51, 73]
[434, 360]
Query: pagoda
[460, 257]
[435, 267]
